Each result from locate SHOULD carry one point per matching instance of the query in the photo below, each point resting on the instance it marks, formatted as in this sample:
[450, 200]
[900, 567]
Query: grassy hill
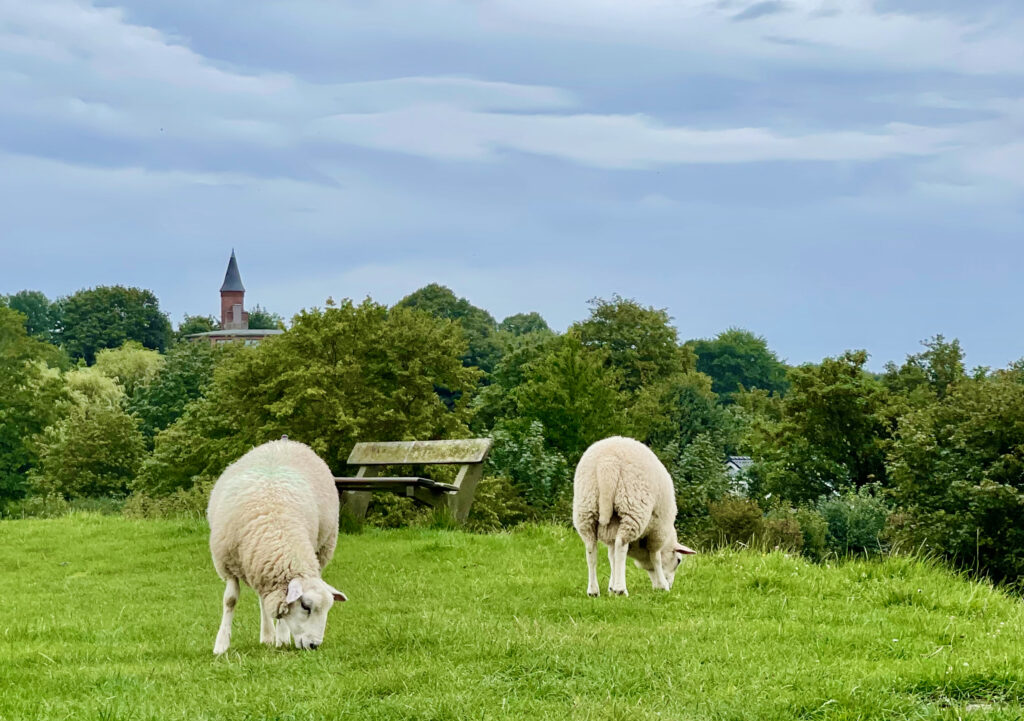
[107, 618]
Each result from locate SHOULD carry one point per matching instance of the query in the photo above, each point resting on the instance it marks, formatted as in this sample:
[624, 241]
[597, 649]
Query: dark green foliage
[856, 521]
[95, 450]
[814, 528]
[781, 531]
[698, 472]
[260, 318]
[497, 505]
[186, 373]
[338, 376]
[107, 316]
[524, 323]
[484, 348]
[736, 520]
[520, 455]
[41, 316]
[833, 426]
[678, 409]
[737, 359]
[934, 371]
[30, 390]
[197, 324]
[957, 469]
[573, 392]
[639, 343]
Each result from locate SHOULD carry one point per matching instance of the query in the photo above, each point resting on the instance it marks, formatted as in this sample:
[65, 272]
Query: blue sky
[830, 174]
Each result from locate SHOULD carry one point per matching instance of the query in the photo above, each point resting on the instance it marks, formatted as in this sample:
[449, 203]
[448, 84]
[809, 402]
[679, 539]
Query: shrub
[736, 520]
[388, 510]
[521, 457]
[182, 502]
[497, 505]
[856, 522]
[781, 531]
[814, 528]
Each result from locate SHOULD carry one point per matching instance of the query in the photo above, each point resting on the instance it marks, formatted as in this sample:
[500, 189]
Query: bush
[700, 479]
[814, 528]
[856, 522]
[736, 520]
[183, 502]
[54, 505]
[781, 531]
[521, 457]
[388, 510]
[497, 505]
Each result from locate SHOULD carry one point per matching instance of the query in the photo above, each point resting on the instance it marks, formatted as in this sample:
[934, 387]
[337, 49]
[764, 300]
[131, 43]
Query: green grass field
[107, 618]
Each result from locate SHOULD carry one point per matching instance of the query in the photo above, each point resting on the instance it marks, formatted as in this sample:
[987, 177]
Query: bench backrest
[395, 453]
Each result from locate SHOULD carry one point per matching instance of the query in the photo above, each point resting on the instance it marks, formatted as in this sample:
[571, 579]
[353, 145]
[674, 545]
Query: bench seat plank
[372, 483]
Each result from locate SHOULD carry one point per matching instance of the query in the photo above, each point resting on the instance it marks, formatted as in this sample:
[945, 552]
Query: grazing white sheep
[273, 518]
[623, 497]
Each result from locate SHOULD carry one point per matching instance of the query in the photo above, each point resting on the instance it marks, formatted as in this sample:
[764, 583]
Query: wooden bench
[371, 458]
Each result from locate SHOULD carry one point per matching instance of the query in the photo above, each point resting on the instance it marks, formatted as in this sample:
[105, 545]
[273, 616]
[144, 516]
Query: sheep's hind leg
[224, 634]
[266, 625]
[593, 588]
[618, 584]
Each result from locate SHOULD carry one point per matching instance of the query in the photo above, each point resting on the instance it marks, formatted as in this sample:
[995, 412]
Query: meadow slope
[108, 618]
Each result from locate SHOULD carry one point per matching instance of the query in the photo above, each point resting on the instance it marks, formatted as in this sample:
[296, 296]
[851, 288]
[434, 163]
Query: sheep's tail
[607, 484]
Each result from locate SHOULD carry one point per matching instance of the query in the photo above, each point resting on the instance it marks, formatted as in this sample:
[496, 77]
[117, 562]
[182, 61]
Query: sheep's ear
[338, 595]
[294, 591]
[685, 550]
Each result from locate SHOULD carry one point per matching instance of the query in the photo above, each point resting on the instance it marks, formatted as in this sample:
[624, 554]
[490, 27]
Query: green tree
[737, 359]
[338, 376]
[131, 365]
[94, 450]
[30, 393]
[524, 323]
[641, 343]
[836, 420]
[196, 324]
[184, 377]
[484, 348]
[41, 316]
[521, 455]
[957, 471]
[107, 316]
[261, 318]
[573, 392]
[928, 374]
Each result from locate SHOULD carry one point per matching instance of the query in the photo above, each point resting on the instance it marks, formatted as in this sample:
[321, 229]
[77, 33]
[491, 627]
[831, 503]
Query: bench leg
[356, 502]
[461, 501]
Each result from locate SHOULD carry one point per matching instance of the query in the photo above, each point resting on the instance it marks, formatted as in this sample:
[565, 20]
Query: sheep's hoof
[619, 592]
[593, 594]
[219, 649]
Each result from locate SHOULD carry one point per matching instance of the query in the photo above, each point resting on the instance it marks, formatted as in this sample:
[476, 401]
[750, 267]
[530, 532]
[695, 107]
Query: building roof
[232, 279]
[739, 461]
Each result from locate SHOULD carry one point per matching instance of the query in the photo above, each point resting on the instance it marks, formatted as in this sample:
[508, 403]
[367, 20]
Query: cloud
[761, 9]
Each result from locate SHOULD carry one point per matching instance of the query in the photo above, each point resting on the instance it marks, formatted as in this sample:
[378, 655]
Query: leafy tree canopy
[640, 343]
[30, 394]
[737, 359]
[261, 318]
[41, 316]
[184, 377]
[484, 348]
[524, 323]
[131, 365]
[107, 316]
[197, 324]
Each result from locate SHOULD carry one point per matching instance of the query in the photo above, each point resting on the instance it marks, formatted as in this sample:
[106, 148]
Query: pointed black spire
[232, 279]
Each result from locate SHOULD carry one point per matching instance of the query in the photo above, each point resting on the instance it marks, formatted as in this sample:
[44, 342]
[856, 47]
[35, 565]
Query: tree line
[100, 398]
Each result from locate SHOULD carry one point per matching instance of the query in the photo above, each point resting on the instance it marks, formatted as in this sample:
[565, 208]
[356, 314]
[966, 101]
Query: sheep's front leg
[618, 584]
[283, 635]
[224, 634]
[658, 579]
[593, 589]
[266, 624]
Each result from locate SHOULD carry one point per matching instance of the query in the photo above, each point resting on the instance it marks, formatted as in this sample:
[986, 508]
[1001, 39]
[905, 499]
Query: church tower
[232, 299]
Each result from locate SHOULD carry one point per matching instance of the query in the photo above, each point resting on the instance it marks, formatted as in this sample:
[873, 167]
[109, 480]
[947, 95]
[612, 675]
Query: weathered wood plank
[362, 483]
[462, 450]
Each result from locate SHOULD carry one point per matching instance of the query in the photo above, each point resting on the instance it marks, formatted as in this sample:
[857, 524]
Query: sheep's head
[670, 556]
[304, 611]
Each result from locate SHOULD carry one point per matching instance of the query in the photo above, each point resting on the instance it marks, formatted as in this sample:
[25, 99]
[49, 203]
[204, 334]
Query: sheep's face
[308, 601]
[669, 557]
